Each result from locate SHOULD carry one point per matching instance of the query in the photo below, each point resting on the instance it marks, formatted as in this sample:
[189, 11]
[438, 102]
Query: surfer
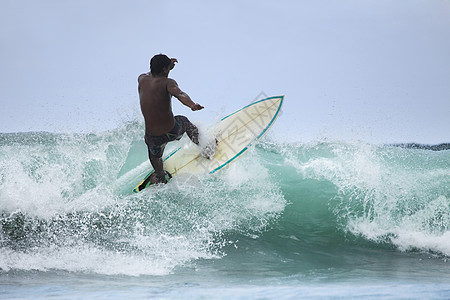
[155, 93]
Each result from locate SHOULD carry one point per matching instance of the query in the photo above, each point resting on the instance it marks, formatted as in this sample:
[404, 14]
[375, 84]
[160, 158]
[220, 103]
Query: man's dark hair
[158, 63]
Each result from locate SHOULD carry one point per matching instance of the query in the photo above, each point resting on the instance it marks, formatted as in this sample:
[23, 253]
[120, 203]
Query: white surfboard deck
[234, 134]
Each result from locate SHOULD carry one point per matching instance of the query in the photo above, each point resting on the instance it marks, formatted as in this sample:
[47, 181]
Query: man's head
[158, 63]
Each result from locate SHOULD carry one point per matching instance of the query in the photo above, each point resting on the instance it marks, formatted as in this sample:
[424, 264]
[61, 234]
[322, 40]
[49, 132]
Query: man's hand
[196, 106]
[172, 63]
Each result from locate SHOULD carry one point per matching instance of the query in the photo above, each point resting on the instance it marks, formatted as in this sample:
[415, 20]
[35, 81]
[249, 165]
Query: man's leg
[157, 164]
[192, 131]
[189, 128]
[156, 145]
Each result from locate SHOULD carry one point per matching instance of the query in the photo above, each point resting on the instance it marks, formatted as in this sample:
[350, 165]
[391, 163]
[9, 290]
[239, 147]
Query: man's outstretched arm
[174, 90]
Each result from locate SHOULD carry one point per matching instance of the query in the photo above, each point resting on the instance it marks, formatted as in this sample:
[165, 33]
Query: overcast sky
[377, 71]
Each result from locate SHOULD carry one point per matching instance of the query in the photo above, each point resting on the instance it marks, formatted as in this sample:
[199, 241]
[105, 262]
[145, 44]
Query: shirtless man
[155, 93]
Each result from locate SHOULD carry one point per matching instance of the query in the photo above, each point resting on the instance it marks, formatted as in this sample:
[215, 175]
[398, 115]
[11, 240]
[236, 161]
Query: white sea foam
[61, 210]
[386, 194]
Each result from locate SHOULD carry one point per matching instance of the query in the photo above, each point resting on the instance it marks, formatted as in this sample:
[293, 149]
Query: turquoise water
[287, 220]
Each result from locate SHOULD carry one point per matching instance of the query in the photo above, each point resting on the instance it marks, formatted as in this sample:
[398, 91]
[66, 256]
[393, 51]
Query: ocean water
[327, 219]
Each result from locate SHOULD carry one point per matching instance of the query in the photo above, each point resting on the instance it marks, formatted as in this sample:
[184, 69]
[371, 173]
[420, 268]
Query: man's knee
[188, 127]
[182, 120]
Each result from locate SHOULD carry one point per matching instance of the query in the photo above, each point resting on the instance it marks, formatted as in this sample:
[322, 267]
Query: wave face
[65, 204]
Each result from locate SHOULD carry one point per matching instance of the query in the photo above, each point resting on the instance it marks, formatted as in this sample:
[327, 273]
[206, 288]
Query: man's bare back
[156, 104]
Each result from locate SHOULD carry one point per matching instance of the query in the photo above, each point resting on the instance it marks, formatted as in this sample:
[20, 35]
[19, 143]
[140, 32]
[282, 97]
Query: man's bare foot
[155, 179]
[210, 149]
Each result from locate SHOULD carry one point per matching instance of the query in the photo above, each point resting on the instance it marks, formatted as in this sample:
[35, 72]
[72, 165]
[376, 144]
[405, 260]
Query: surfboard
[234, 133]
